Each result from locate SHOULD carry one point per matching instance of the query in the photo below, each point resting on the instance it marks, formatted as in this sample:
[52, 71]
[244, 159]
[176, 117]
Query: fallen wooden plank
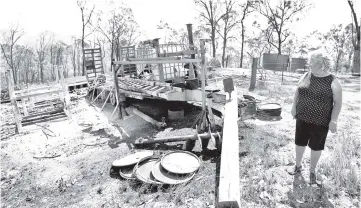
[153, 88]
[43, 113]
[229, 187]
[44, 117]
[153, 83]
[39, 93]
[159, 61]
[158, 90]
[146, 87]
[51, 103]
[47, 119]
[134, 84]
[146, 117]
[33, 89]
[153, 59]
[77, 83]
[180, 53]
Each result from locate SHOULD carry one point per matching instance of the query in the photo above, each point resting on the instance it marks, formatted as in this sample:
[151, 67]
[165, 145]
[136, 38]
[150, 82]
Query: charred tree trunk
[242, 45]
[356, 62]
[214, 43]
[224, 51]
[279, 44]
[82, 47]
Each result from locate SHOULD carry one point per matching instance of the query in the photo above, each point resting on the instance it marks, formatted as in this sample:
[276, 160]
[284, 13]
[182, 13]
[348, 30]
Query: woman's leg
[299, 154]
[298, 167]
[315, 157]
[316, 144]
[301, 140]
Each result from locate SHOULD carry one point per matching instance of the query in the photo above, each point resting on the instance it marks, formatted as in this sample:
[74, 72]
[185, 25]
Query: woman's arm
[337, 99]
[295, 97]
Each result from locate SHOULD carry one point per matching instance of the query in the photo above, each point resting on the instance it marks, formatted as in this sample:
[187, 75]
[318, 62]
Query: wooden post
[282, 73]
[13, 101]
[229, 186]
[59, 85]
[101, 59]
[254, 74]
[23, 103]
[66, 96]
[203, 74]
[191, 47]
[117, 95]
[210, 112]
[160, 66]
[64, 86]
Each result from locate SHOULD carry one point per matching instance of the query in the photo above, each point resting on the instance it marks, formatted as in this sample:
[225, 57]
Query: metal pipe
[177, 138]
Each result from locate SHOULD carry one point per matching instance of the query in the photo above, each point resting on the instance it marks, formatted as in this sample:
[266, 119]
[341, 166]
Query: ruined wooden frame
[15, 95]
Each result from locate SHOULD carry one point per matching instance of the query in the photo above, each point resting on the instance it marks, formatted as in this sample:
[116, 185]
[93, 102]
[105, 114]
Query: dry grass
[343, 166]
[276, 91]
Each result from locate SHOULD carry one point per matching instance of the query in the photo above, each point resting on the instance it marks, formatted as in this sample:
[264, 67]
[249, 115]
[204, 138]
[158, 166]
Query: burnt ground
[79, 151]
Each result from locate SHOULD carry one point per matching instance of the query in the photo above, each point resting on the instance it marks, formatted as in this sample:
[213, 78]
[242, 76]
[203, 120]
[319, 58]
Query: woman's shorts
[310, 134]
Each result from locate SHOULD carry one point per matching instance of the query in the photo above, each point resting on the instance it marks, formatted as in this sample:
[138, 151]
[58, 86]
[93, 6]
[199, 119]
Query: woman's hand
[332, 126]
[293, 112]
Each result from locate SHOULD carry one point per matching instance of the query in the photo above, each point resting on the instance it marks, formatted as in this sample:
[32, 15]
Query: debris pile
[175, 167]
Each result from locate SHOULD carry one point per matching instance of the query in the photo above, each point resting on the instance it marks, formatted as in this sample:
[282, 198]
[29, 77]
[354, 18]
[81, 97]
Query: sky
[62, 17]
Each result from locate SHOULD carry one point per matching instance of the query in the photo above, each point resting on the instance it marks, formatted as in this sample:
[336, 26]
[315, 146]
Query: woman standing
[317, 104]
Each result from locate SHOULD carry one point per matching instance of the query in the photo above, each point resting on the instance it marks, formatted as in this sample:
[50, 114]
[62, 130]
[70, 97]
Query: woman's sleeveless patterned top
[315, 103]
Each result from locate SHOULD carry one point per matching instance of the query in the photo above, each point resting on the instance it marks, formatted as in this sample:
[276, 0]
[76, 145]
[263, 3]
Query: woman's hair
[320, 55]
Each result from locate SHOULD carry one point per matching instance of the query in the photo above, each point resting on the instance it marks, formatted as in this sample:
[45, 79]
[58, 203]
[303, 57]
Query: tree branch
[7, 59]
[89, 17]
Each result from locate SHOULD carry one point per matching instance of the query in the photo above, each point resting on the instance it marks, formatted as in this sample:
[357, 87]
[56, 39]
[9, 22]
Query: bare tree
[42, 45]
[18, 57]
[211, 14]
[59, 56]
[265, 36]
[75, 56]
[173, 35]
[337, 37]
[52, 50]
[29, 65]
[24, 60]
[279, 16]
[259, 43]
[86, 20]
[119, 30]
[7, 47]
[230, 21]
[356, 40]
[246, 9]
[291, 45]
